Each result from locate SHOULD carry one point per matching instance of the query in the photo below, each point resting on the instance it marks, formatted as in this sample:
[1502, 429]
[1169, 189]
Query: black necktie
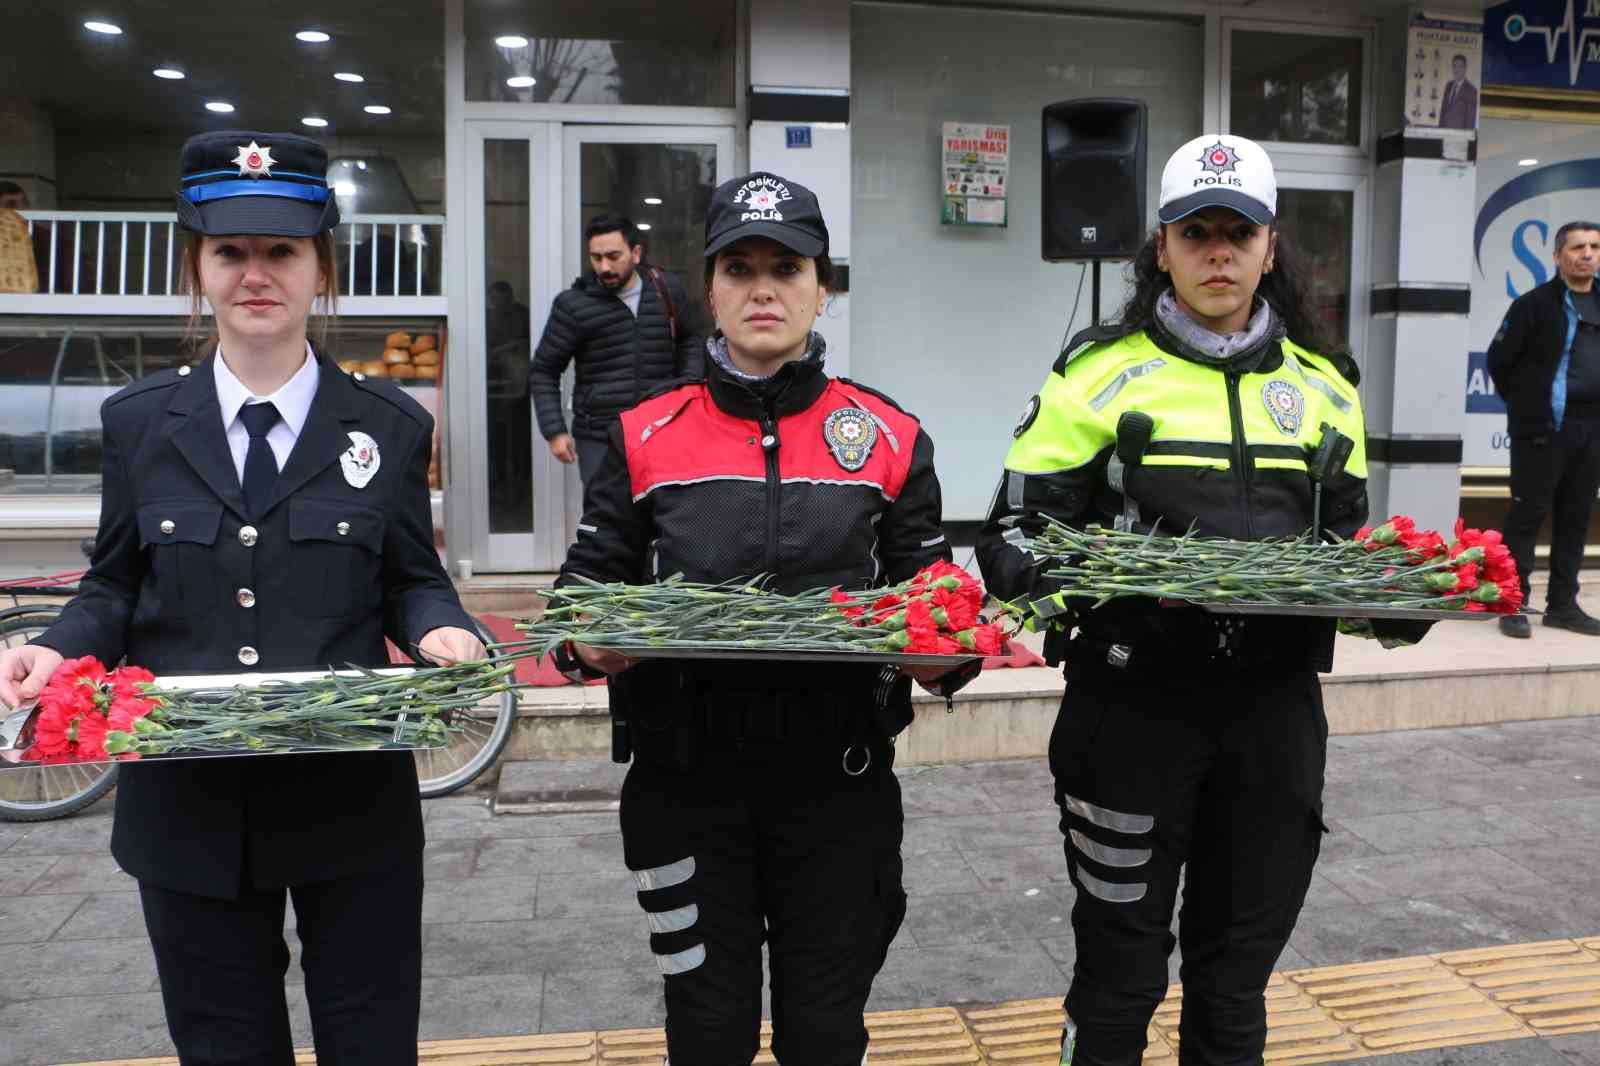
[260, 467]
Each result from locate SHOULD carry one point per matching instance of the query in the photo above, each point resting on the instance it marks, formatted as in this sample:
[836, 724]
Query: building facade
[474, 137]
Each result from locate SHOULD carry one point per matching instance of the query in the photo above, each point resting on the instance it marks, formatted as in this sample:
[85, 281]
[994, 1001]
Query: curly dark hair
[1284, 289]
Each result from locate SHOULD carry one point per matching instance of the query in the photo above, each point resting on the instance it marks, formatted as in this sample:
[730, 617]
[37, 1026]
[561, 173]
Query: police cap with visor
[1219, 170]
[243, 182]
[765, 205]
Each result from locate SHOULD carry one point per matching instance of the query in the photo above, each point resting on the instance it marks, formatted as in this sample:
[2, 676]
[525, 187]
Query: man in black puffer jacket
[629, 326]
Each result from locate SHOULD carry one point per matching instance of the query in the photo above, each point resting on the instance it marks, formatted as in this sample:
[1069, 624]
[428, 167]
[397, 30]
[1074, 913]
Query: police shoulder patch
[1029, 413]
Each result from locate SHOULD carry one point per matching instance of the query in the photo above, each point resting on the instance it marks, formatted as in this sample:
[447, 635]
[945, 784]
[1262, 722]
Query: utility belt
[1198, 643]
[673, 713]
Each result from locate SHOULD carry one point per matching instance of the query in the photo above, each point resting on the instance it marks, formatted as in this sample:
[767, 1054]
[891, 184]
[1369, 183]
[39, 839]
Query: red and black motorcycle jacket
[810, 480]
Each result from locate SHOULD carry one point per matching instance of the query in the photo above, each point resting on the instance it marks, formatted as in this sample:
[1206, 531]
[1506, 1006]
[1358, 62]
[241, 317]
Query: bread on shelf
[424, 342]
[427, 358]
[397, 339]
[375, 368]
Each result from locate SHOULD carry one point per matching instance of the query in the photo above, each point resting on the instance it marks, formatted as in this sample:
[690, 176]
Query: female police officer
[1184, 739]
[266, 512]
[760, 804]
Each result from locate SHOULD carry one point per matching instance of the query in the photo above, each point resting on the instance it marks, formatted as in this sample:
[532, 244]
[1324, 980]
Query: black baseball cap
[765, 205]
[240, 182]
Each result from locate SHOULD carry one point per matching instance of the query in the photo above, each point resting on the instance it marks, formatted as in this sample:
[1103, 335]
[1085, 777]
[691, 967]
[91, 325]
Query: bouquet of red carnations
[935, 612]
[1392, 565]
[87, 713]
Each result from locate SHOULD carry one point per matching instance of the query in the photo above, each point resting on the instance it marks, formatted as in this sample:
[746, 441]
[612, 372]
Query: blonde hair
[200, 340]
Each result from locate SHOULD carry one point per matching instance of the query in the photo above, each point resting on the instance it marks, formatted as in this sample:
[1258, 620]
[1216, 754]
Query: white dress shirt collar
[293, 398]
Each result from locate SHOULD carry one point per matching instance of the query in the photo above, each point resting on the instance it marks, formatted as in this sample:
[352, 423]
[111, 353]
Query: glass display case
[56, 372]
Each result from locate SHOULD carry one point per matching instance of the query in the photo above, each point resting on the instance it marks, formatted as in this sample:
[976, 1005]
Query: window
[624, 52]
[1296, 88]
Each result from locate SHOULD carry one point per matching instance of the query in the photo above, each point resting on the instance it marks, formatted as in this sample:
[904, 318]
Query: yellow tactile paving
[1331, 1014]
[1553, 987]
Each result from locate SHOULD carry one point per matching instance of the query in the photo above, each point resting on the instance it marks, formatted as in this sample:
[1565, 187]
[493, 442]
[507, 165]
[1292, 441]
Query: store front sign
[1513, 253]
[1543, 44]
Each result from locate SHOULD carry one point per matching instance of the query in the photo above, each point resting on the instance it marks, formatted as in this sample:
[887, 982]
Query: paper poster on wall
[977, 164]
[1444, 67]
[1527, 189]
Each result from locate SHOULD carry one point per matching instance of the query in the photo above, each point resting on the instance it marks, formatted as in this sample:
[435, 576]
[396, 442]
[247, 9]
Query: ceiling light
[653, 201]
[1527, 162]
[347, 76]
[642, 225]
[219, 107]
[376, 109]
[511, 40]
[344, 188]
[169, 73]
[109, 28]
[314, 122]
[522, 81]
[312, 37]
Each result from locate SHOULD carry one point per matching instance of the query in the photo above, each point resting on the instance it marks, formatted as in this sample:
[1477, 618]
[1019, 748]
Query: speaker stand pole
[1094, 296]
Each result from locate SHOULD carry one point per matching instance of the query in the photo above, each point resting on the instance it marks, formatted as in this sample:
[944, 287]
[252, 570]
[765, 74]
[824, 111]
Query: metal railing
[107, 253]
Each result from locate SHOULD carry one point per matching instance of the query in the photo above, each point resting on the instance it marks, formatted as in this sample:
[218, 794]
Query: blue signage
[1568, 177]
[1543, 44]
[1481, 397]
[797, 136]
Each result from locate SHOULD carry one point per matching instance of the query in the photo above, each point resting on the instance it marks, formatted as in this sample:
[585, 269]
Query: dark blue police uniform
[187, 578]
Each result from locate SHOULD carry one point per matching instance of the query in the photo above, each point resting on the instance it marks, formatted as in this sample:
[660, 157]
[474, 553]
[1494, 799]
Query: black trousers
[1220, 776]
[767, 841]
[222, 965]
[1556, 476]
[591, 453]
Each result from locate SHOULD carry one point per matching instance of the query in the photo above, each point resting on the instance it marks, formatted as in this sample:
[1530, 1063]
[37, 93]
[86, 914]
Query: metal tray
[785, 655]
[13, 725]
[1409, 614]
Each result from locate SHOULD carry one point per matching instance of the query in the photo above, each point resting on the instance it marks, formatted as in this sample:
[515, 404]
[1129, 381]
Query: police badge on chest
[850, 433]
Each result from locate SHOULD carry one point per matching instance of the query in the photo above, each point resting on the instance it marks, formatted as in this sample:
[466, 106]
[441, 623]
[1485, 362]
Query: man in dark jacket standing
[629, 326]
[1545, 361]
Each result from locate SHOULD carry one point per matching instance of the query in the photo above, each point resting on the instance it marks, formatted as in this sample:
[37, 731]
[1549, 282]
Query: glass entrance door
[533, 185]
[512, 246]
[660, 177]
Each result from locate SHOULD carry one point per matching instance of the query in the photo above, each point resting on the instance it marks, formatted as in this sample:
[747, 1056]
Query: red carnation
[985, 639]
[847, 604]
[954, 609]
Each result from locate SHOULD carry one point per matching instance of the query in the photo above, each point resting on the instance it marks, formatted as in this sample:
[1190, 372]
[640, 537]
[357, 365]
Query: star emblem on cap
[1219, 158]
[254, 161]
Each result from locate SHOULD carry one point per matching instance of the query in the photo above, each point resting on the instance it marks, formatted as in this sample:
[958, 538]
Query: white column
[799, 108]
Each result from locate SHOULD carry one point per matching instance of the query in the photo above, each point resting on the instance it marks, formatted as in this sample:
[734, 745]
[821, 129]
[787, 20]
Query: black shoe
[1516, 625]
[1574, 619]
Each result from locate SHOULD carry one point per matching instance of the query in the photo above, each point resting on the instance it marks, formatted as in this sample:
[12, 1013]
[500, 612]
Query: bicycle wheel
[46, 792]
[476, 741]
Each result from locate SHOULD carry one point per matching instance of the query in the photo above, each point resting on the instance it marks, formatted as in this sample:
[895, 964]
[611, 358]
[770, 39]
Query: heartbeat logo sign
[1529, 38]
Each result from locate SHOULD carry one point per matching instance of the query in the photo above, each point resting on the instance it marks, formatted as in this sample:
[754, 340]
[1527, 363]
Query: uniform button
[359, 376]
[168, 526]
[768, 441]
[343, 528]
[248, 536]
[246, 598]
[183, 371]
[249, 656]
